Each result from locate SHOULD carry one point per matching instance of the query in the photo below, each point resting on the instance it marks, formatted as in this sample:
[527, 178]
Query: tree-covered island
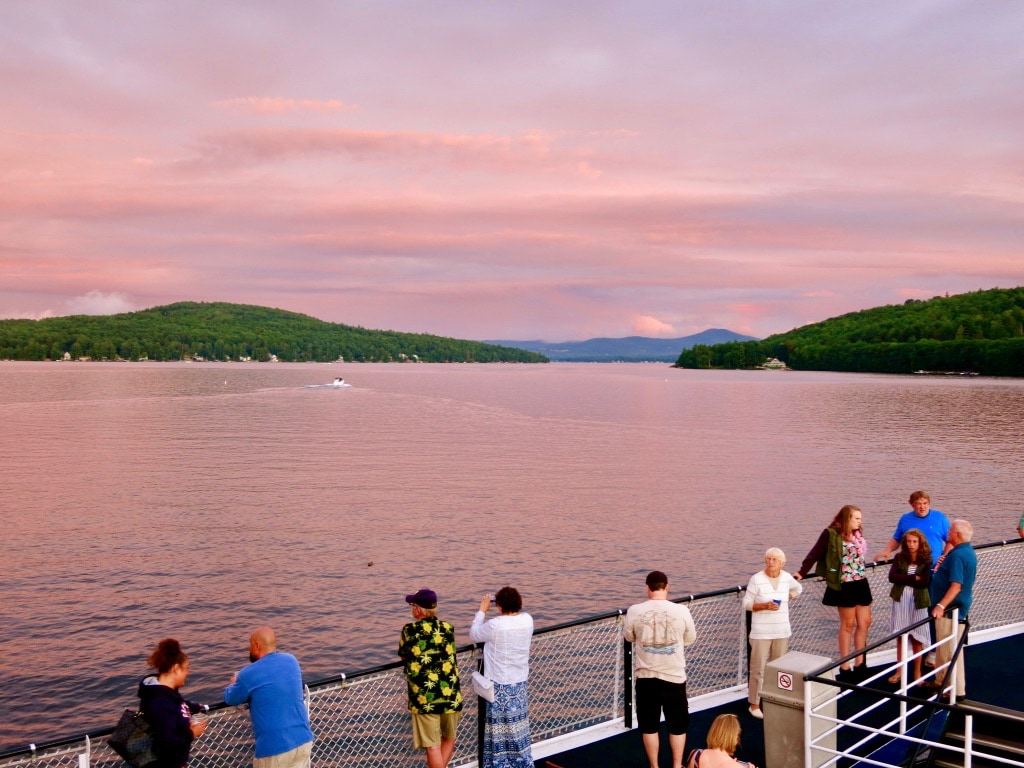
[980, 332]
[220, 331]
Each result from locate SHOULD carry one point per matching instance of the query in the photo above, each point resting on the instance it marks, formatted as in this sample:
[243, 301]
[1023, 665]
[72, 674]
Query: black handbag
[133, 740]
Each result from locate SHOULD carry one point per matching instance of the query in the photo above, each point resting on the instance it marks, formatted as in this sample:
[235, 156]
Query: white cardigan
[770, 625]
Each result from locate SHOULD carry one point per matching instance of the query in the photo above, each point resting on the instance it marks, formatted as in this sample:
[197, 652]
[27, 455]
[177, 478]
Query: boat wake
[338, 383]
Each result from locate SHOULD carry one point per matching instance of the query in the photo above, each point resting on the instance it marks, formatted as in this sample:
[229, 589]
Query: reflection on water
[199, 501]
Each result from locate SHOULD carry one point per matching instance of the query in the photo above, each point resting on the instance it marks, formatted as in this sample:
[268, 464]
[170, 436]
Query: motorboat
[338, 383]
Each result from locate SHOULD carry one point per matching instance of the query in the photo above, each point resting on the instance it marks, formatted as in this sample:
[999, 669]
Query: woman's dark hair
[508, 600]
[168, 653]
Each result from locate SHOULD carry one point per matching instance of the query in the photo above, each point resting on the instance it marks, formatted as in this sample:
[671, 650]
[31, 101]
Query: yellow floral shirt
[431, 670]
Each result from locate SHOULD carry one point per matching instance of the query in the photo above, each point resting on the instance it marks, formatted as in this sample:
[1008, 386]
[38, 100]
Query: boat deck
[988, 683]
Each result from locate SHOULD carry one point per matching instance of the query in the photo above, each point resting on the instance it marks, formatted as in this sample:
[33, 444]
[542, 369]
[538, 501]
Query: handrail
[933, 705]
[716, 611]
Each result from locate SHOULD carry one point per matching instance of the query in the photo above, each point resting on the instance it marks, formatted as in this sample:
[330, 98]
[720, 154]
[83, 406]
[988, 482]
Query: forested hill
[220, 331]
[980, 332]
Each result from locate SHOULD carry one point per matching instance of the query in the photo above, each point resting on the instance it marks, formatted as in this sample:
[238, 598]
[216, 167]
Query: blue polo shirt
[961, 566]
[273, 688]
[934, 526]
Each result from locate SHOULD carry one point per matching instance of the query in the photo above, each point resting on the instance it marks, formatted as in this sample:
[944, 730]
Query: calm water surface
[201, 500]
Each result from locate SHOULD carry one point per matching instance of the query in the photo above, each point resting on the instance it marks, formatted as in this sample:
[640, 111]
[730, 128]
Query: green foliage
[221, 331]
[981, 332]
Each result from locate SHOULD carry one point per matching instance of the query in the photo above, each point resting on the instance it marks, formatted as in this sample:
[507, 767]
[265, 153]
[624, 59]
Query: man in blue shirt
[272, 686]
[932, 523]
[952, 587]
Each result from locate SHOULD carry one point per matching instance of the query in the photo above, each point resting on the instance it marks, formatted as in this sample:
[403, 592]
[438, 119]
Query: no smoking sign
[785, 681]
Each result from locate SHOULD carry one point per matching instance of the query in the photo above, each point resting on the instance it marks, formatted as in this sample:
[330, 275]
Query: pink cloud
[530, 152]
[99, 303]
[677, 166]
[645, 325]
[271, 105]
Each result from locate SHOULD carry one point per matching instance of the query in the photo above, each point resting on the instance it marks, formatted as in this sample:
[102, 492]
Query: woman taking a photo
[840, 554]
[910, 574]
[506, 640]
[168, 714]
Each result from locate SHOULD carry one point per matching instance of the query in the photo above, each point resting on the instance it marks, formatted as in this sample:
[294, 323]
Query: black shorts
[850, 595]
[654, 696]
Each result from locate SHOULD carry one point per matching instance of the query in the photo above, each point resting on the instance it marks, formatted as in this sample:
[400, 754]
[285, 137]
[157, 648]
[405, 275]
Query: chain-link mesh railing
[996, 601]
[576, 679]
[365, 721]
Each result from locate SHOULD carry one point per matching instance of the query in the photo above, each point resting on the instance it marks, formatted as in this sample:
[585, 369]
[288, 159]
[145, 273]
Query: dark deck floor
[986, 682]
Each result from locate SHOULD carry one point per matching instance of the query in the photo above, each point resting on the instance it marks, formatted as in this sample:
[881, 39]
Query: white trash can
[782, 699]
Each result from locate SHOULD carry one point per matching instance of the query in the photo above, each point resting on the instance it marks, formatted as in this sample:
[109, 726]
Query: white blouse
[506, 642]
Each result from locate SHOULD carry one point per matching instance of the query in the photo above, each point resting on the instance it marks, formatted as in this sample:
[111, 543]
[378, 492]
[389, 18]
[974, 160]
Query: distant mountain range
[630, 349]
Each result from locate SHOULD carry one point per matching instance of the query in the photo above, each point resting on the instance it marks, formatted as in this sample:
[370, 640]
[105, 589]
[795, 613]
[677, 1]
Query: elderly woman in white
[767, 598]
[506, 640]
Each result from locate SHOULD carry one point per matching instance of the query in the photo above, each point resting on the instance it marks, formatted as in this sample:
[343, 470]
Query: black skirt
[849, 595]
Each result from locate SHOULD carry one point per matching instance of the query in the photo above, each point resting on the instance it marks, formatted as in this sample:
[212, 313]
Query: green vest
[921, 597]
[830, 567]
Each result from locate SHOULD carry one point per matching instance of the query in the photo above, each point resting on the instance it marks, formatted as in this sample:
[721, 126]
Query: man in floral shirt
[431, 671]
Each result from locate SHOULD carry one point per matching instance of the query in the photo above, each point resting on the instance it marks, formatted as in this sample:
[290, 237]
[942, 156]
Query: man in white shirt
[659, 629]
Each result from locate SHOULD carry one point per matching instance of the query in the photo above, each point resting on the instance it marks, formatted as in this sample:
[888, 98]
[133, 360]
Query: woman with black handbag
[168, 714]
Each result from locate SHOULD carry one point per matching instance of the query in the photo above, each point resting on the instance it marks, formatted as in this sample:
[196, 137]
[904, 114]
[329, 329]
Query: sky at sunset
[510, 170]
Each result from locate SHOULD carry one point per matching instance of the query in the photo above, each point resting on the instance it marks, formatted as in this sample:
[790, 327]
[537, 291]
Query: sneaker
[755, 712]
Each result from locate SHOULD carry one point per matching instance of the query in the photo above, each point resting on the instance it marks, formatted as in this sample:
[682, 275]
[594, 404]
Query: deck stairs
[997, 732]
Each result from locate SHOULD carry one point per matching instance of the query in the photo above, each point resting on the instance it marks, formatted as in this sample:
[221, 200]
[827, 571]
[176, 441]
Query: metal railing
[886, 728]
[576, 680]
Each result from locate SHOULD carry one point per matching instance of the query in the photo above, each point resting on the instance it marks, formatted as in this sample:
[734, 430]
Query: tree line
[223, 331]
[980, 332]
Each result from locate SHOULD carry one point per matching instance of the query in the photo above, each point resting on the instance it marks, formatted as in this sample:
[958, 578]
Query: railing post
[808, 730]
[481, 717]
[968, 740]
[743, 660]
[954, 657]
[627, 684]
[901, 641]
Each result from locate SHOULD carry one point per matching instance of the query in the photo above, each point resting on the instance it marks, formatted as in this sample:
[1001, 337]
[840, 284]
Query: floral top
[431, 671]
[852, 568]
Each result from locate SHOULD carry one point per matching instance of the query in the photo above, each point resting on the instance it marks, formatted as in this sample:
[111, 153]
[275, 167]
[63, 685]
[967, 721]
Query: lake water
[202, 500]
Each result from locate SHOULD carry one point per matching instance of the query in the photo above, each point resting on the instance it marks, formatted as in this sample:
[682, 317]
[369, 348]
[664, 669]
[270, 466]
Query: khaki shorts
[429, 730]
[293, 758]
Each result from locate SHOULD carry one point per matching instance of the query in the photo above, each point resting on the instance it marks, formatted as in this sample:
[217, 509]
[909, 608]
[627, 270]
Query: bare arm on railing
[947, 599]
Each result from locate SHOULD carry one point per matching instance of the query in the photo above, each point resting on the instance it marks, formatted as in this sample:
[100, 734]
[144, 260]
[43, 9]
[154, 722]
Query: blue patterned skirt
[507, 738]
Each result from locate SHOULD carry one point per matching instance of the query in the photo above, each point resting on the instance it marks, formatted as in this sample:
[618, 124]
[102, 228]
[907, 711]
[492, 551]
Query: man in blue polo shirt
[272, 686]
[932, 523]
[952, 587]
